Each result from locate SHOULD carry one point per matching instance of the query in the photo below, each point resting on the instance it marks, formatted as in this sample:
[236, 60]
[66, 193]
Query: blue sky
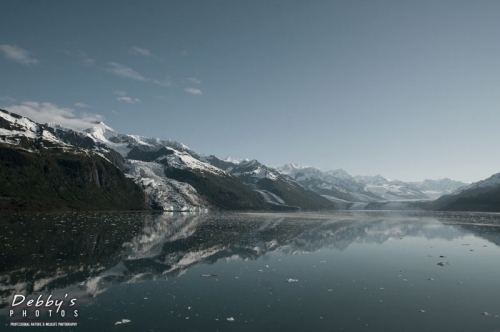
[406, 89]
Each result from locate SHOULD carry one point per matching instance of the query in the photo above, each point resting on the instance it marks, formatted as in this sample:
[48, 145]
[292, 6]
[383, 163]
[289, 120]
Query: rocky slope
[99, 168]
[275, 187]
[479, 196]
[167, 175]
[38, 171]
[206, 182]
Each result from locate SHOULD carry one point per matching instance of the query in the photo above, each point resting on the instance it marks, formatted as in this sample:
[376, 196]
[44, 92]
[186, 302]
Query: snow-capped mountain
[172, 176]
[375, 180]
[392, 190]
[273, 185]
[483, 195]
[337, 185]
[251, 171]
[24, 133]
[175, 178]
[410, 190]
[233, 160]
[492, 182]
[41, 168]
[437, 188]
[124, 143]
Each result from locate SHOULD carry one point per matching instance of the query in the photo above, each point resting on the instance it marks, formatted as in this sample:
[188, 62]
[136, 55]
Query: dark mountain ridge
[47, 167]
[40, 174]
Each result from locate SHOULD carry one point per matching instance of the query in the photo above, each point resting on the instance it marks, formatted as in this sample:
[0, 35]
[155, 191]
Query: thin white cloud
[115, 112]
[129, 100]
[124, 72]
[144, 52]
[192, 80]
[18, 54]
[140, 51]
[122, 96]
[81, 105]
[193, 91]
[51, 113]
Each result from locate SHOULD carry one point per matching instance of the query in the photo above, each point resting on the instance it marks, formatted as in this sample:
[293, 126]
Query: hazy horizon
[408, 90]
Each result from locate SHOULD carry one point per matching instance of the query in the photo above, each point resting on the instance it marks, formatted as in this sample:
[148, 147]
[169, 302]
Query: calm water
[361, 271]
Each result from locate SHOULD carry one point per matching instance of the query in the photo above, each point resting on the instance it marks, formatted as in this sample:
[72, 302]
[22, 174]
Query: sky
[406, 89]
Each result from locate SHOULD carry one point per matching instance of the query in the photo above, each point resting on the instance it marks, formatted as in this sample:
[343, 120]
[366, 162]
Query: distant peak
[232, 160]
[339, 173]
[100, 124]
[250, 162]
[292, 167]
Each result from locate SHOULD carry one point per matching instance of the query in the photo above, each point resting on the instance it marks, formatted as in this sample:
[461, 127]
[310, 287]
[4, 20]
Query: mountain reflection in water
[87, 254]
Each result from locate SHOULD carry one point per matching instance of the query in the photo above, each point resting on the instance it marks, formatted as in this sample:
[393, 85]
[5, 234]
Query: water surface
[342, 271]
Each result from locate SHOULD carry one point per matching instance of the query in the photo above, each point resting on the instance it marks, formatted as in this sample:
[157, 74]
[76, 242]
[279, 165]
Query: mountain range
[48, 167]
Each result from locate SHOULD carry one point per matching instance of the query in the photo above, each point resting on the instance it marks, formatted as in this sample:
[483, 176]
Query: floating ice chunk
[422, 310]
[292, 280]
[230, 319]
[486, 313]
[123, 321]
[208, 275]
[261, 270]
